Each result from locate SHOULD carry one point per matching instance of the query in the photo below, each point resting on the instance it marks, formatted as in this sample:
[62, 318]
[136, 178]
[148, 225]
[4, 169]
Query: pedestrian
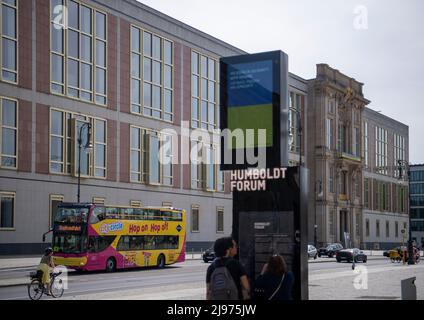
[275, 281]
[226, 278]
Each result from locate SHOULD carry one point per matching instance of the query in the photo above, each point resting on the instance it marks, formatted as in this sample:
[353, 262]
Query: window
[9, 41]
[8, 133]
[65, 128]
[366, 145]
[331, 179]
[343, 182]
[99, 243]
[330, 134]
[377, 228]
[78, 52]
[341, 138]
[204, 92]
[294, 114]
[99, 200]
[381, 150]
[398, 151]
[151, 157]
[55, 200]
[367, 227]
[357, 142]
[220, 220]
[205, 173]
[147, 242]
[194, 219]
[387, 229]
[396, 229]
[7, 210]
[367, 193]
[151, 75]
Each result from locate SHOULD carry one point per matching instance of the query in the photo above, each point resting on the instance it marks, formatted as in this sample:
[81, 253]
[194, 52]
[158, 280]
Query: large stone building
[353, 153]
[130, 71]
[336, 103]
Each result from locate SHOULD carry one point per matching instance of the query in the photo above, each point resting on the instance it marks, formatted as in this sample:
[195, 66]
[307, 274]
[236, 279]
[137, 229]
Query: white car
[312, 251]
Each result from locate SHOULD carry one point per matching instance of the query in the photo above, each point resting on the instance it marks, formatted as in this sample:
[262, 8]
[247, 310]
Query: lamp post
[410, 246]
[88, 145]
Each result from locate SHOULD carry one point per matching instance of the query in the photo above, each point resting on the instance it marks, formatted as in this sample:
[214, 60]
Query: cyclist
[45, 264]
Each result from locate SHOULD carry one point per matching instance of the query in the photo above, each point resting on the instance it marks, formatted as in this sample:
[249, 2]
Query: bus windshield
[69, 243]
[71, 215]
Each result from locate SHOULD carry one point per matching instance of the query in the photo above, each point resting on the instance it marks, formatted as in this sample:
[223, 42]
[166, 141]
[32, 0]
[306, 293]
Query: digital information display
[254, 102]
[249, 92]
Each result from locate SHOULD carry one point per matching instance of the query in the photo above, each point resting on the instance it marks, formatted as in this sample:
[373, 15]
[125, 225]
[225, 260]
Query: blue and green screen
[249, 89]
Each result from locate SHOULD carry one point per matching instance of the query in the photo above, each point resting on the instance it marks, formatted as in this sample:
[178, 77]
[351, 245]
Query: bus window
[98, 244]
[137, 214]
[124, 244]
[97, 215]
[172, 242]
[112, 213]
[136, 243]
[149, 243]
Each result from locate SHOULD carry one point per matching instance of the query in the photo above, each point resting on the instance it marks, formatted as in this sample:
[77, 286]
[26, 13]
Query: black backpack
[222, 284]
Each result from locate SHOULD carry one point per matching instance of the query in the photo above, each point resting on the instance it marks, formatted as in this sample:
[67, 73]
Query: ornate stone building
[334, 118]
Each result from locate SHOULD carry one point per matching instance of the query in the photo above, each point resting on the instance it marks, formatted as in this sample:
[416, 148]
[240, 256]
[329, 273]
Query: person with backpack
[226, 278]
[275, 281]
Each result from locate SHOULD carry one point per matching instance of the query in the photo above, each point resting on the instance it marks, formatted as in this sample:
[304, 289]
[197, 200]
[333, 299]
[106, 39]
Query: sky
[378, 42]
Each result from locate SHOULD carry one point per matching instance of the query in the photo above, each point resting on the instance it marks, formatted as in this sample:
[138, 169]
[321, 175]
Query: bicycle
[36, 288]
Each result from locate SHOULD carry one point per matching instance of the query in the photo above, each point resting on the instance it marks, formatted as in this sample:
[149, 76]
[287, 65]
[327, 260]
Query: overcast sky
[386, 52]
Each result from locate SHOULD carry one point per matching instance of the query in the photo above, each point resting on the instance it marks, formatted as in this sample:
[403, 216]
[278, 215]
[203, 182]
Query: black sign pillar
[269, 211]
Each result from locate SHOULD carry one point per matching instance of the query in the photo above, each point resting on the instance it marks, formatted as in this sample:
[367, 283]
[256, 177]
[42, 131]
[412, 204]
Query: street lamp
[88, 145]
[410, 246]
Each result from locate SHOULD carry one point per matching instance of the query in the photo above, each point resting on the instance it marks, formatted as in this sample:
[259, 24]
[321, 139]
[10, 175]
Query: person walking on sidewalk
[226, 278]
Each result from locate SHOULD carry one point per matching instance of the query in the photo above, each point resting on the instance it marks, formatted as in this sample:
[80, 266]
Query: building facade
[336, 104]
[131, 72]
[416, 186]
[386, 219]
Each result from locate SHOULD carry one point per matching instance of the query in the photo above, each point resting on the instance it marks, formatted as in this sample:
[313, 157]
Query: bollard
[409, 290]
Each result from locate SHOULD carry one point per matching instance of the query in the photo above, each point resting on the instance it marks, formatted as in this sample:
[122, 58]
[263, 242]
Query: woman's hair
[222, 245]
[276, 265]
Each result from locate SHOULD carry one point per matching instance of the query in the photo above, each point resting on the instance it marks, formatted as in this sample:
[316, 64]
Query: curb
[330, 260]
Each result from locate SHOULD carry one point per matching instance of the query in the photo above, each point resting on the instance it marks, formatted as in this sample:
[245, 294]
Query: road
[329, 280]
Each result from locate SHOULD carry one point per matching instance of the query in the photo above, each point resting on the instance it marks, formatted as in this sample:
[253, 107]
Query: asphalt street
[179, 281]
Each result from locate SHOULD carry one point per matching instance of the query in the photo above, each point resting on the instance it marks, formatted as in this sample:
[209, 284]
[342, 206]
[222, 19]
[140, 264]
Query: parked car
[330, 250]
[312, 251]
[208, 255]
[350, 254]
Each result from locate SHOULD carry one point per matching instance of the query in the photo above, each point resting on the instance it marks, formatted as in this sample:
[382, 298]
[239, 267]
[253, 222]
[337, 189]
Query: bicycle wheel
[35, 290]
[56, 288]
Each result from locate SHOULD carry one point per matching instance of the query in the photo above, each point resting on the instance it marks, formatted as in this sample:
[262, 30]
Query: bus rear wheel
[161, 261]
[110, 265]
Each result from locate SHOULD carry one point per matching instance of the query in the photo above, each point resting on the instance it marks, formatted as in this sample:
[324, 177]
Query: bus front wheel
[161, 261]
[110, 265]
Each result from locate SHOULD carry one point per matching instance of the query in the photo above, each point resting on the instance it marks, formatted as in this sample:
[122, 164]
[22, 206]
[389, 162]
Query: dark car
[351, 254]
[330, 250]
[208, 255]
